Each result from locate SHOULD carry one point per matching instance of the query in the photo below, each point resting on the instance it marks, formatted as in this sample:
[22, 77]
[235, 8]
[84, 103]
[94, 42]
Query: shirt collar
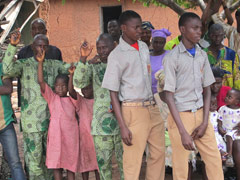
[183, 49]
[127, 47]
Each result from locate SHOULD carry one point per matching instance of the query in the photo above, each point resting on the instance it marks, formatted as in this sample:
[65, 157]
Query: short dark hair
[215, 27]
[217, 72]
[237, 13]
[42, 37]
[127, 15]
[38, 20]
[64, 77]
[113, 20]
[106, 37]
[185, 17]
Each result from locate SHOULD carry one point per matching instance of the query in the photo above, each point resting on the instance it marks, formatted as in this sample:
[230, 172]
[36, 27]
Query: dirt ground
[196, 176]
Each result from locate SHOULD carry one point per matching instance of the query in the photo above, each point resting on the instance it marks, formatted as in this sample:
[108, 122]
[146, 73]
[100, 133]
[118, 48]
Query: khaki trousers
[147, 127]
[207, 146]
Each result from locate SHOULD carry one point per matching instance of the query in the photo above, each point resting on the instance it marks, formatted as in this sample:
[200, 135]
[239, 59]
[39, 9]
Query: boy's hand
[199, 131]
[85, 49]
[95, 60]
[71, 69]
[15, 37]
[126, 136]
[187, 142]
[40, 54]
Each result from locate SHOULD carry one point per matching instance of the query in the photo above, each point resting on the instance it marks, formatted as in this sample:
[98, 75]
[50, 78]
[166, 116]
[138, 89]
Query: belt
[193, 110]
[142, 104]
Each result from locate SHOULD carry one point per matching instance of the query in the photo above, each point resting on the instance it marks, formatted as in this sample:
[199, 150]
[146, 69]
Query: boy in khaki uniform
[188, 77]
[128, 77]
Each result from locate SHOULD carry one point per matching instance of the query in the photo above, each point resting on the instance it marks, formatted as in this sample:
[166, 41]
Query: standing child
[229, 121]
[87, 154]
[188, 77]
[128, 77]
[63, 132]
[213, 116]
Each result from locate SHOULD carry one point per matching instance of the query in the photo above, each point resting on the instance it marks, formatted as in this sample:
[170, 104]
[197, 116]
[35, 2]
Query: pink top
[87, 156]
[63, 132]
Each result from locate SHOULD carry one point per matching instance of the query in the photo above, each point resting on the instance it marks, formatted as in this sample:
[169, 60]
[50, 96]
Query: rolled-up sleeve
[113, 74]
[169, 66]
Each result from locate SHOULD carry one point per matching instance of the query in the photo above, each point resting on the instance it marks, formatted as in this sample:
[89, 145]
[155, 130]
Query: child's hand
[71, 69]
[221, 131]
[86, 49]
[40, 54]
[15, 37]
[94, 60]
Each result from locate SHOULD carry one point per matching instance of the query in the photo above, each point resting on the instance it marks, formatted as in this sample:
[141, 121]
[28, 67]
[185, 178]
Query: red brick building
[70, 23]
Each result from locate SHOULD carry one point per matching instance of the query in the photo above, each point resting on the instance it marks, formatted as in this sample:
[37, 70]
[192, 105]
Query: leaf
[63, 2]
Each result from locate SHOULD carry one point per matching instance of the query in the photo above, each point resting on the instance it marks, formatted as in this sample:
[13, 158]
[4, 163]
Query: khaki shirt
[128, 72]
[186, 76]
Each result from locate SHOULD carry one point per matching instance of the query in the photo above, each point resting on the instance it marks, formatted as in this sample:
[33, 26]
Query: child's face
[158, 43]
[215, 87]
[132, 29]
[213, 104]
[192, 30]
[61, 87]
[231, 98]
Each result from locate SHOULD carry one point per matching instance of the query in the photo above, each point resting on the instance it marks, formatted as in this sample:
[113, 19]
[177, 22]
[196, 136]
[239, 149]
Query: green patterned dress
[105, 129]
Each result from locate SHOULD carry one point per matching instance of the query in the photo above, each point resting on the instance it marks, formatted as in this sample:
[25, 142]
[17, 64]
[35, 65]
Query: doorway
[110, 13]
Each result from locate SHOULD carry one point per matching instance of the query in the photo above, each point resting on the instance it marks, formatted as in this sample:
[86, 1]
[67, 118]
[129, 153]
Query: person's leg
[207, 147]
[34, 150]
[104, 149]
[8, 140]
[229, 145]
[236, 156]
[57, 174]
[85, 175]
[119, 153]
[137, 120]
[5, 171]
[70, 175]
[48, 172]
[180, 155]
[190, 170]
[156, 144]
[97, 175]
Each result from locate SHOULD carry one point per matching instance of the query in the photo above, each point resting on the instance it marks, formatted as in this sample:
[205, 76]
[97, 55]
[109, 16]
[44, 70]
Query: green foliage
[63, 2]
[186, 4]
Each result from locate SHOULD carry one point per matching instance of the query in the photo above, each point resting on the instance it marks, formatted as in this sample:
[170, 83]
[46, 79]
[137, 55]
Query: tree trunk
[174, 6]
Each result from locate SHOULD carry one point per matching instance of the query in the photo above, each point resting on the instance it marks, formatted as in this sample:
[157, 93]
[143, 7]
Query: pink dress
[63, 132]
[87, 156]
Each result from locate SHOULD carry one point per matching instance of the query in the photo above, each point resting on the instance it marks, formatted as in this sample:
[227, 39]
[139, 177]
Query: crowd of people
[175, 101]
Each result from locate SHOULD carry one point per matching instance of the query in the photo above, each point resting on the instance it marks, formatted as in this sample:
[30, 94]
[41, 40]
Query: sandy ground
[196, 176]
